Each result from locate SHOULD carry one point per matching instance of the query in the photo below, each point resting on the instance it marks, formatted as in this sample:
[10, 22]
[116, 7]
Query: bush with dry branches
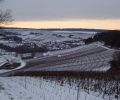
[115, 63]
[5, 16]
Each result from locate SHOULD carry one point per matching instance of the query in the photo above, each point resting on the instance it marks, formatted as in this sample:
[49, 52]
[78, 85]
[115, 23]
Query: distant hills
[59, 29]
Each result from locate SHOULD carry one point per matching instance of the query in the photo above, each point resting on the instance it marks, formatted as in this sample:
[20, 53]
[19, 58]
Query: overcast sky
[33, 10]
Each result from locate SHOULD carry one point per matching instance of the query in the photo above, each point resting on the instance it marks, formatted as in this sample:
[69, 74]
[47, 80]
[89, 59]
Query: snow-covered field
[36, 88]
[92, 57]
[53, 40]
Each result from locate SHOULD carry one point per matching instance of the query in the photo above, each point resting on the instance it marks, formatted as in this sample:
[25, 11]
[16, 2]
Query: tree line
[26, 48]
[110, 38]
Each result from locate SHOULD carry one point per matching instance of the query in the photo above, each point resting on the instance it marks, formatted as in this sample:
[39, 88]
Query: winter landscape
[64, 67]
[59, 50]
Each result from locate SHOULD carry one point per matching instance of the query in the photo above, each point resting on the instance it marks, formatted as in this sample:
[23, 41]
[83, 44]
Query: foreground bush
[115, 63]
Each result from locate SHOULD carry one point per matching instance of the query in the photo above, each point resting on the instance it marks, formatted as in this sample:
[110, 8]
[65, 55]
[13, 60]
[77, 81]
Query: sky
[64, 13]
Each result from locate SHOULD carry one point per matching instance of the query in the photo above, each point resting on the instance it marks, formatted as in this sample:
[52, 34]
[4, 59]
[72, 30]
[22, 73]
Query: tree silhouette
[111, 38]
[1, 1]
[5, 16]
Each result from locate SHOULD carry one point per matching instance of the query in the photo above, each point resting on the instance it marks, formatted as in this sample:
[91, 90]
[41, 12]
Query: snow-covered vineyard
[92, 57]
[31, 88]
[52, 40]
[79, 58]
[71, 54]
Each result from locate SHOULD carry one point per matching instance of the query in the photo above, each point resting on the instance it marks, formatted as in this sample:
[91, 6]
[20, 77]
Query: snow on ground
[10, 59]
[60, 52]
[53, 40]
[92, 57]
[31, 88]
[2, 60]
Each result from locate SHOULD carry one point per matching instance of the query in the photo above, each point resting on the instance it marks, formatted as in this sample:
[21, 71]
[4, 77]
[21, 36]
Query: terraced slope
[91, 57]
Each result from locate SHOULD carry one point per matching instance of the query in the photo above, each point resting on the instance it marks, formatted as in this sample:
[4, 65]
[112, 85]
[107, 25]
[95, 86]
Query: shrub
[115, 63]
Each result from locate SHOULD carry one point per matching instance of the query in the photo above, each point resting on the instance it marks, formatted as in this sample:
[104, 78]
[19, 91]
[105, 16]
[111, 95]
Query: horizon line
[89, 24]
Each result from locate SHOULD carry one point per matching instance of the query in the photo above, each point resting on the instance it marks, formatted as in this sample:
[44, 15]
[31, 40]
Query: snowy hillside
[70, 55]
[31, 88]
[53, 40]
[92, 57]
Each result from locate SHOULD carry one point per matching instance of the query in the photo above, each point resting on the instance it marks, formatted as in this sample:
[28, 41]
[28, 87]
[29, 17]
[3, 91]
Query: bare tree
[1, 0]
[5, 16]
